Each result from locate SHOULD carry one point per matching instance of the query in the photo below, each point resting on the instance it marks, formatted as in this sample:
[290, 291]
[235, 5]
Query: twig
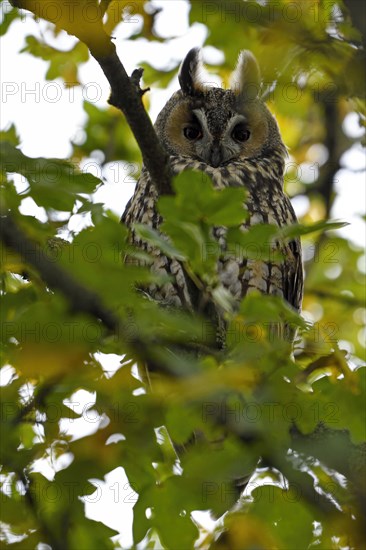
[341, 298]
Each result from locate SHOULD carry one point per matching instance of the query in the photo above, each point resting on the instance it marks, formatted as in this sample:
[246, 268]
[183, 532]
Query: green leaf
[159, 78]
[227, 208]
[181, 423]
[280, 510]
[297, 230]
[194, 242]
[337, 403]
[54, 183]
[10, 135]
[8, 17]
[106, 130]
[214, 207]
[82, 19]
[96, 257]
[165, 500]
[150, 235]
[267, 309]
[61, 63]
[255, 243]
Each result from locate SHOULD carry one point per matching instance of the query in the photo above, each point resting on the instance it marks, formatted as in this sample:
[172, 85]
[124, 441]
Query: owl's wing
[124, 215]
[294, 282]
[140, 208]
[293, 291]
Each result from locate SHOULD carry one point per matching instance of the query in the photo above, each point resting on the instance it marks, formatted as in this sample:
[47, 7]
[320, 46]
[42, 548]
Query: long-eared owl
[230, 135]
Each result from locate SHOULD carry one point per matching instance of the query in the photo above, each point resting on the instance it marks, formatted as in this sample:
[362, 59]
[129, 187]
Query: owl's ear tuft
[245, 80]
[189, 73]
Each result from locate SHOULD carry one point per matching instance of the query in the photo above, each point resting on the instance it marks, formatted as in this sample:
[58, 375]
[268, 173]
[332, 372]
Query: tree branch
[81, 299]
[85, 21]
[341, 298]
[126, 95]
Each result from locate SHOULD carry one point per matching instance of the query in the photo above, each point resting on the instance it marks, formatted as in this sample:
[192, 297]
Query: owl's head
[218, 126]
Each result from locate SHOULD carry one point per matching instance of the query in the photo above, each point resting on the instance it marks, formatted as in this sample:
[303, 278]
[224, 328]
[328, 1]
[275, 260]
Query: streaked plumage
[231, 136]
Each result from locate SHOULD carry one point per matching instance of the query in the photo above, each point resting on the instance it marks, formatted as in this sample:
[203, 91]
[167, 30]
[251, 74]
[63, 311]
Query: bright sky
[47, 116]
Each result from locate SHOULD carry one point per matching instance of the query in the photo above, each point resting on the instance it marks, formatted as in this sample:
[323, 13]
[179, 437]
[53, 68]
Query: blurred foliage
[297, 423]
[62, 64]
[106, 131]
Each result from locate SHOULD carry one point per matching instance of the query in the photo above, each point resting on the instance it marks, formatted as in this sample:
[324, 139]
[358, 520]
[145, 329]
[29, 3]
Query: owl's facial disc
[219, 127]
[214, 142]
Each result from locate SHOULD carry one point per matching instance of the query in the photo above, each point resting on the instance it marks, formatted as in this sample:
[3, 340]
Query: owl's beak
[215, 156]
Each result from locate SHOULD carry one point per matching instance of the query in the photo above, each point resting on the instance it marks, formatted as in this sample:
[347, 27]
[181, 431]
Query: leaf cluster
[291, 427]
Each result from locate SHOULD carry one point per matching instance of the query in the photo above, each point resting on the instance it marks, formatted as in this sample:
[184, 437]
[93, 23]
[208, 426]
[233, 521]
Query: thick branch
[82, 299]
[126, 95]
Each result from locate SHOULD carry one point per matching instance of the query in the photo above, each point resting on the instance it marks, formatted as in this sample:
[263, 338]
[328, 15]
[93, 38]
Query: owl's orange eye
[192, 133]
[240, 133]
